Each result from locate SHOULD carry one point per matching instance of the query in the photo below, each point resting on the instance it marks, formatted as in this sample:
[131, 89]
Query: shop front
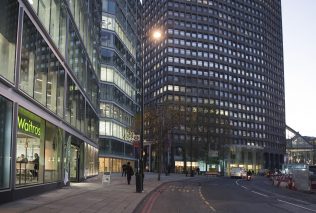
[113, 164]
[38, 150]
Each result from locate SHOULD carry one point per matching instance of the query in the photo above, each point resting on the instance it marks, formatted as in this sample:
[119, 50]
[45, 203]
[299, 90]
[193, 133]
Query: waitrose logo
[29, 126]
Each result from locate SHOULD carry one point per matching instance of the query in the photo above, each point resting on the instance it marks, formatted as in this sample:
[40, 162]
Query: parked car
[237, 172]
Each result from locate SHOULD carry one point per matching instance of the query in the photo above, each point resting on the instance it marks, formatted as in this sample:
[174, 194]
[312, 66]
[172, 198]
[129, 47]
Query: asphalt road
[223, 194]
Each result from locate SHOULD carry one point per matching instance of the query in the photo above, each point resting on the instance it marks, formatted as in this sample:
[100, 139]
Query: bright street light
[157, 35]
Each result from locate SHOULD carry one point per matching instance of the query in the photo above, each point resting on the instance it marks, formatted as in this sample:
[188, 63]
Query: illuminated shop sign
[29, 126]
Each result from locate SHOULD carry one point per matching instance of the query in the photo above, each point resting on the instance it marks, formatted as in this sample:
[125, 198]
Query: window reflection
[5, 141]
[8, 26]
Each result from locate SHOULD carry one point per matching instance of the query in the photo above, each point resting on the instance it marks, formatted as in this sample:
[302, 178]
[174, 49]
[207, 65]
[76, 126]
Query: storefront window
[5, 141]
[104, 164]
[8, 25]
[91, 154]
[29, 148]
[53, 153]
[74, 157]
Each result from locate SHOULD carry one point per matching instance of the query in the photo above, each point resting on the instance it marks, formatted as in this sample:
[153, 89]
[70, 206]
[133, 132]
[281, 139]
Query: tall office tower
[49, 85]
[120, 82]
[216, 81]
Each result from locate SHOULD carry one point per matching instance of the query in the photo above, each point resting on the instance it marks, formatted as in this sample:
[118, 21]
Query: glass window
[91, 157]
[29, 148]
[8, 25]
[5, 141]
[60, 91]
[53, 153]
[40, 72]
[76, 55]
[52, 83]
[28, 56]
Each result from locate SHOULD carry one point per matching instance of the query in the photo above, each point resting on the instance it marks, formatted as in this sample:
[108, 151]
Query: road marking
[244, 187]
[297, 205]
[152, 199]
[205, 201]
[264, 195]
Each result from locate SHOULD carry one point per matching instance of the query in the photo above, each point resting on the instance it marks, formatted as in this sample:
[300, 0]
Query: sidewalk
[91, 196]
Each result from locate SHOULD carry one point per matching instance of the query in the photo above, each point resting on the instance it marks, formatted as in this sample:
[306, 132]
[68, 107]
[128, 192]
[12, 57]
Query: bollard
[138, 183]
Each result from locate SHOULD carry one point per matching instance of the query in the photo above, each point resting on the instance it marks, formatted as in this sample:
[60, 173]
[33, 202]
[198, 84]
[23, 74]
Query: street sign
[106, 178]
[213, 153]
[136, 138]
[136, 144]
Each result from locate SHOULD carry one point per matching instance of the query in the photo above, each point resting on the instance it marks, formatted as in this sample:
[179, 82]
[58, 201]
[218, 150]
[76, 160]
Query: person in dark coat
[129, 172]
[36, 165]
[123, 170]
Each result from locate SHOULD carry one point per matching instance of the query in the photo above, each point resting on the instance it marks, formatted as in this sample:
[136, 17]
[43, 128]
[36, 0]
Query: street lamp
[157, 35]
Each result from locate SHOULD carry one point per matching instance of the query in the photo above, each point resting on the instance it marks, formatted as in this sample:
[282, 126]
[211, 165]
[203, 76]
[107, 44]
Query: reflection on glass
[53, 153]
[8, 26]
[5, 141]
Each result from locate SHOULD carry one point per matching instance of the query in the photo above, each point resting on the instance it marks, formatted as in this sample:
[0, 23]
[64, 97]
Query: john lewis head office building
[49, 59]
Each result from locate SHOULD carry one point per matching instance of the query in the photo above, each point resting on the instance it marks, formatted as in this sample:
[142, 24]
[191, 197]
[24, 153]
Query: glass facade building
[49, 94]
[220, 66]
[120, 77]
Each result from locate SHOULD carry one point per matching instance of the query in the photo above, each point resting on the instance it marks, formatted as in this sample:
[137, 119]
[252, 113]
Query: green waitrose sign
[29, 126]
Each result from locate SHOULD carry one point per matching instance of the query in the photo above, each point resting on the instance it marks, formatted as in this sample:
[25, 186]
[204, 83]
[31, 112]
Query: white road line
[264, 195]
[297, 205]
[207, 203]
[237, 182]
[244, 187]
[300, 201]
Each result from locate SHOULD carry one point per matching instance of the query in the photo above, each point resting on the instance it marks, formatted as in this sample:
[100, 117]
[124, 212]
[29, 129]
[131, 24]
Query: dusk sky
[299, 45]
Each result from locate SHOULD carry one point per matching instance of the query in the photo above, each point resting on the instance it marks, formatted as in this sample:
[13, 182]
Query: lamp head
[157, 35]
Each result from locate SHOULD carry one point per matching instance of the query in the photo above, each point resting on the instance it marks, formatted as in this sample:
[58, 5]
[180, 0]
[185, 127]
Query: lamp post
[140, 178]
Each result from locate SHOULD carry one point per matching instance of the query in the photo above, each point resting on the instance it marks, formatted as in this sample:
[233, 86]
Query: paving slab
[91, 196]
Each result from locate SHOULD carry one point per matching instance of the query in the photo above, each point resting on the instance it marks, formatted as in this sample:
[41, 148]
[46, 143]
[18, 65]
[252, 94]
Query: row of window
[271, 44]
[254, 62]
[109, 23]
[274, 82]
[109, 74]
[196, 53]
[110, 110]
[252, 13]
[109, 39]
[111, 93]
[112, 129]
[114, 147]
[56, 24]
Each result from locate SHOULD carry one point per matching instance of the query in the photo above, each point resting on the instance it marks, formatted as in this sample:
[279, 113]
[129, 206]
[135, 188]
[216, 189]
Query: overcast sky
[299, 40]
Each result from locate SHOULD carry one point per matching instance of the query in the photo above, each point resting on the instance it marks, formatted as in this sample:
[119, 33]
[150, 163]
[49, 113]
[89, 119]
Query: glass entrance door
[74, 163]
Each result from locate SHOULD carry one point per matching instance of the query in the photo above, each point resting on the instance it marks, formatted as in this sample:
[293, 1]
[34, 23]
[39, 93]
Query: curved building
[220, 66]
[119, 82]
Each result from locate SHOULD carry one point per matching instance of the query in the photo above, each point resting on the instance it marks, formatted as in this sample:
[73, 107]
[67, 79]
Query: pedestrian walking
[129, 173]
[123, 170]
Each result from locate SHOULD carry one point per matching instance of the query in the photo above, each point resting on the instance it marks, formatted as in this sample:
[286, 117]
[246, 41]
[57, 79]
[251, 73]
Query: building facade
[299, 149]
[218, 70]
[120, 77]
[49, 91]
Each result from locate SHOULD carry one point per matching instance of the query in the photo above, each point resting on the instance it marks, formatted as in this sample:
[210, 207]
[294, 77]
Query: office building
[120, 82]
[219, 65]
[49, 87]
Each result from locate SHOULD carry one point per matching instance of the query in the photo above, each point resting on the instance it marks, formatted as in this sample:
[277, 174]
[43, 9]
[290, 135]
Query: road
[222, 194]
